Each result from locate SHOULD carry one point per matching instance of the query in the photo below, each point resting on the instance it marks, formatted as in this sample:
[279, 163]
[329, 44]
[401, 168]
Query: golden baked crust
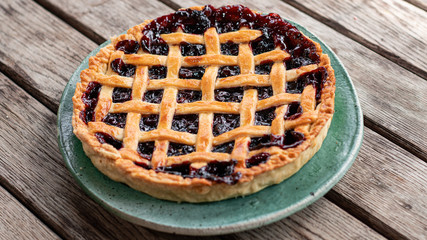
[124, 164]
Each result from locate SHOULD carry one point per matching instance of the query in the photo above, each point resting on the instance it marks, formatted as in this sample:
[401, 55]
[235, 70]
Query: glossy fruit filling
[123, 69]
[177, 149]
[217, 171]
[188, 96]
[224, 148]
[128, 46]
[148, 122]
[225, 122]
[229, 94]
[289, 140]
[90, 99]
[157, 72]
[293, 111]
[108, 139]
[191, 72]
[265, 117]
[257, 159]
[264, 92]
[264, 68]
[115, 119]
[186, 123]
[154, 96]
[121, 95]
[230, 48]
[188, 49]
[276, 32]
[146, 149]
[228, 71]
[317, 78]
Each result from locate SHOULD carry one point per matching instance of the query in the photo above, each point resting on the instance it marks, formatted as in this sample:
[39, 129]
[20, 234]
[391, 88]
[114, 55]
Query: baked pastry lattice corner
[205, 104]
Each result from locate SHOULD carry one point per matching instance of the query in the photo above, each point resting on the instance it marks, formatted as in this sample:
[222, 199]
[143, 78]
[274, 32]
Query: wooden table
[383, 45]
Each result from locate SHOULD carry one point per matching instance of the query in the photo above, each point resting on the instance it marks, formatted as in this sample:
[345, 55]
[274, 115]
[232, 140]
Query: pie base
[119, 169]
[120, 165]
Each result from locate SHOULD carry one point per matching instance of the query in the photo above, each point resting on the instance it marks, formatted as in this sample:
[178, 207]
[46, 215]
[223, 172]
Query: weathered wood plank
[418, 3]
[16, 222]
[31, 167]
[389, 184]
[393, 28]
[303, 225]
[377, 80]
[38, 50]
[106, 18]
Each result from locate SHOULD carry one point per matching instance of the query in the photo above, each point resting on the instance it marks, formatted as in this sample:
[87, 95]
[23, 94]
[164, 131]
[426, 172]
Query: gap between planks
[418, 4]
[73, 22]
[354, 36]
[364, 216]
[41, 216]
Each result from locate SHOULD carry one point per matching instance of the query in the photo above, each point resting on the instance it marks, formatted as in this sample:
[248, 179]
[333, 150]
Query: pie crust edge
[115, 164]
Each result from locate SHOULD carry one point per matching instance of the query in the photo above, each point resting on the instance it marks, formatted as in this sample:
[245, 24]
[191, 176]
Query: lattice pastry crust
[163, 176]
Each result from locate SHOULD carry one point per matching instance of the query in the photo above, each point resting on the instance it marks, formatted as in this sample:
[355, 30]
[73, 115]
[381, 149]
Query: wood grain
[388, 184]
[393, 28]
[39, 51]
[418, 3]
[31, 168]
[16, 222]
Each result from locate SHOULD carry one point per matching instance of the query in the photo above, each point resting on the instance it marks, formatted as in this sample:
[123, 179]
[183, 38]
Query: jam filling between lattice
[276, 32]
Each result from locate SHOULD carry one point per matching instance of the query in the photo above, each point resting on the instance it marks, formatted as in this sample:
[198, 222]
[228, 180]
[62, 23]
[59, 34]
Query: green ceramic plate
[316, 178]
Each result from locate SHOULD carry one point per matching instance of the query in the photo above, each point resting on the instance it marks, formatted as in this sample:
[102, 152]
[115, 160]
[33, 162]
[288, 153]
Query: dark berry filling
[125, 70]
[221, 172]
[264, 68]
[182, 169]
[146, 149]
[293, 111]
[115, 119]
[317, 78]
[186, 123]
[188, 96]
[257, 159]
[225, 122]
[276, 31]
[259, 142]
[228, 71]
[90, 99]
[177, 149]
[191, 72]
[143, 165]
[289, 140]
[157, 72]
[229, 94]
[265, 117]
[154, 96]
[108, 139]
[148, 122]
[122, 94]
[264, 92]
[262, 44]
[188, 49]
[224, 148]
[230, 48]
[128, 46]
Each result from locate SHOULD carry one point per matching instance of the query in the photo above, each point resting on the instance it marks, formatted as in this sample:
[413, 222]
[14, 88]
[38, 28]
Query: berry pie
[205, 104]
